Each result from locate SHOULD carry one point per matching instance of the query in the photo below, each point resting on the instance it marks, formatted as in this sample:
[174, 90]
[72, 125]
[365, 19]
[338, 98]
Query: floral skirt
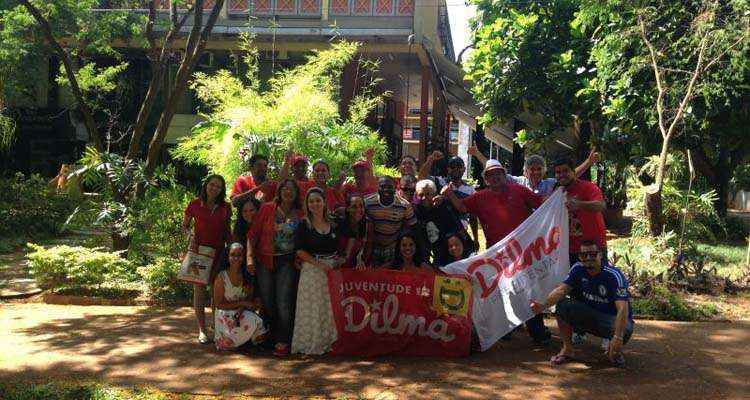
[234, 328]
[314, 328]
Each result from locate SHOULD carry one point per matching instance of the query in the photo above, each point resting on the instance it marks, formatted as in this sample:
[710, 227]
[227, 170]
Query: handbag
[196, 266]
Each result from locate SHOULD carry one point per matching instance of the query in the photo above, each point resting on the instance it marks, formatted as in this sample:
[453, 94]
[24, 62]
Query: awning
[463, 106]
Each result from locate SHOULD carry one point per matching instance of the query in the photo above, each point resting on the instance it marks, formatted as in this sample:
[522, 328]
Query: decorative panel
[285, 7]
[404, 7]
[362, 7]
[383, 7]
[340, 7]
[239, 6]
[309, 7]
[262, 7]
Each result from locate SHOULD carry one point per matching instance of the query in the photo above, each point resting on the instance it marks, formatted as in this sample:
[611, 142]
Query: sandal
[281, 350]
[560, 359]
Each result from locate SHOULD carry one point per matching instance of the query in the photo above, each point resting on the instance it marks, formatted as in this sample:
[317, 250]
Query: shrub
[29, 207]
[61, 267]
[156, 223]
[161, 283]
[666, 304]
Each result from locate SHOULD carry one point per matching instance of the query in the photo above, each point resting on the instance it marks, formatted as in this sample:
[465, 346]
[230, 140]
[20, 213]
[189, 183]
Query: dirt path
[155, 347]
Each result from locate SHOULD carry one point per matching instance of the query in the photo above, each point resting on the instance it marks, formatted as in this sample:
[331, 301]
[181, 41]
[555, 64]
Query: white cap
[492, 164]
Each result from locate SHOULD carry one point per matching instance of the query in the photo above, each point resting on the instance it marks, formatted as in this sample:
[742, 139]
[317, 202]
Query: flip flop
[560, 359]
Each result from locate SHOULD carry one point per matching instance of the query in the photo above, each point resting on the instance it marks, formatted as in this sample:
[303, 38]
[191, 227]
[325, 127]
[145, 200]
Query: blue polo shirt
[599, 291]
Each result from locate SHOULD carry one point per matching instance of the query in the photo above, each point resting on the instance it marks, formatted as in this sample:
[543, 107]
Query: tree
[75, 32]
[530, 61]
[653, 58]
[299, 111]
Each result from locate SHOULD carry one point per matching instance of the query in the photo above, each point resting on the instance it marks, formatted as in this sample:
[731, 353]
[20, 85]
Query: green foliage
[156, 223]
[161, 283]
[663, 303]
[299, 112]
[61, 267]
[741, 178]
[94, 79]
[701, 222]
[74, 391]
[29, 207]
[529, 60]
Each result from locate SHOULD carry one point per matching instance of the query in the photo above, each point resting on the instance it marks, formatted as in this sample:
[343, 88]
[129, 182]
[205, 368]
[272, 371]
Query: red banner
[381, 312]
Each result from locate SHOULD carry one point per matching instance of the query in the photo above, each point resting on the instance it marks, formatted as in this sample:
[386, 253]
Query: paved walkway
[15, 280]
[155, 347]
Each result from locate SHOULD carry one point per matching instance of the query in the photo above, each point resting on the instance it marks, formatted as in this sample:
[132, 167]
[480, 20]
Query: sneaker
[203, 338]
[579, 338]
[605, 344]
[619, 361]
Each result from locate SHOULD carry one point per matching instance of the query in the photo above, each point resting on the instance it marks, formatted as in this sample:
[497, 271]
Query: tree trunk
[654, 213]
[653, 195]
[723, 174]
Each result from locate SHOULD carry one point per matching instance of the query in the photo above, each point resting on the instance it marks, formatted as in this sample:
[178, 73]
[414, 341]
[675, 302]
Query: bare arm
[621, 322]
[457, 203]
[474, 151]
[594, 205]
[237, 199]
[556, 295]
[308, 258]
[286, 166]
[592, 159]
[222, 303]
[424, 170]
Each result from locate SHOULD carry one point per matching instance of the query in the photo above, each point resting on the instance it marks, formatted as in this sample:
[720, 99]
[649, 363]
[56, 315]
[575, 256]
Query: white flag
[527, 264]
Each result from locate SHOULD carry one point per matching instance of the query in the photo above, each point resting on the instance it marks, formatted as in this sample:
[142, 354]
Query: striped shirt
[388, 221]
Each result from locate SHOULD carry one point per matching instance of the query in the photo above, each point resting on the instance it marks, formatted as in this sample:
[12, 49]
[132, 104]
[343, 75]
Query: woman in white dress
[316, 242]
[236, 317]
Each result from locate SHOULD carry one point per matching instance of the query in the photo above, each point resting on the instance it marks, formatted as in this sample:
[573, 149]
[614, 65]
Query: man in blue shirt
[599, 304]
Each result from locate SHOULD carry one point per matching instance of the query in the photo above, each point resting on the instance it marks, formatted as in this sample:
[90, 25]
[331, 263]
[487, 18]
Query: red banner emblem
[381, 312]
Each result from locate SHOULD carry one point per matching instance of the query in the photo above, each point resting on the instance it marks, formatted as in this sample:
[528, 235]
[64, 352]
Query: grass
[646, 254]
[79, 391]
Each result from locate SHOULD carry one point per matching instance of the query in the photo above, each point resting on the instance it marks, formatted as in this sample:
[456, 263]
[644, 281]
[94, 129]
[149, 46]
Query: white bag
[196, 266]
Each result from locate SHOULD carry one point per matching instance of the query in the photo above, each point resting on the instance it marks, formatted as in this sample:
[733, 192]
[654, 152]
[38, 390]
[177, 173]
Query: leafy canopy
[299, 112]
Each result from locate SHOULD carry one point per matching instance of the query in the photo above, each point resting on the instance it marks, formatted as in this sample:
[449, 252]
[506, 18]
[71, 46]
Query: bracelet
[617, 337]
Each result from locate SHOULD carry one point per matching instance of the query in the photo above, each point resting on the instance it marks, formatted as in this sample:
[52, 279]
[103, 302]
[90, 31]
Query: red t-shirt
[350, 189]
[304, 186]
[211, 226]
[246, 183]
[501, 212]
[586, 225]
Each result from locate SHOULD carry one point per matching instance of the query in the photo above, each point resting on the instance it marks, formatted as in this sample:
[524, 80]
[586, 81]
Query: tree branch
[689, 92]
[195, 46]
[70, 71]
[657, 75]
[723, 53]
[158, 69]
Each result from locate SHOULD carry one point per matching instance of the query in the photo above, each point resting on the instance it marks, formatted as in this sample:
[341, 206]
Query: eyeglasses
[588, 254]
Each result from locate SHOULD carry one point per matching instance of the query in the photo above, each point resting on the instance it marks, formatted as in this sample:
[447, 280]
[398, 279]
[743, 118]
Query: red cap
[361, 164]
[298, 159]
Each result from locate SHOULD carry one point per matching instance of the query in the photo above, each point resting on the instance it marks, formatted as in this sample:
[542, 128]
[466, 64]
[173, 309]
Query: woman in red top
[271, 248]
[210, 215]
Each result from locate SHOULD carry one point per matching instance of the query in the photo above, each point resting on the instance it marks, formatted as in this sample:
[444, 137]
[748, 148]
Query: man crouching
[599, 304]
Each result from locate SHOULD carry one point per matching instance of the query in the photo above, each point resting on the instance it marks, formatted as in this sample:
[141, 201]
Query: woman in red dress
[210, 215]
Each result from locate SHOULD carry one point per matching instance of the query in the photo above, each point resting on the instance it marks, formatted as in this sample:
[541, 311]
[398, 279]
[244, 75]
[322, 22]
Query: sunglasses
[235, 255]
[588, 254]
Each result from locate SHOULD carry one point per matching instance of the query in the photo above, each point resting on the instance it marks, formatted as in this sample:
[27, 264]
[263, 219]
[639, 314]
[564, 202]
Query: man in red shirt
[585, 205]
[362, 186]
[501, 208]
[254, 185]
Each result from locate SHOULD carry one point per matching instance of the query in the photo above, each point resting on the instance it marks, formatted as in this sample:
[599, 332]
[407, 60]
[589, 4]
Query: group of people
[270, 285]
